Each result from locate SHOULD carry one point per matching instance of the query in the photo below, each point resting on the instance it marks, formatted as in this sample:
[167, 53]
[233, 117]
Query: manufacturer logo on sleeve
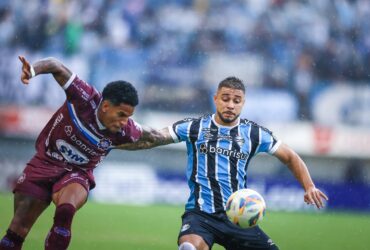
[21, 178]
[185, 227]
[68, 130]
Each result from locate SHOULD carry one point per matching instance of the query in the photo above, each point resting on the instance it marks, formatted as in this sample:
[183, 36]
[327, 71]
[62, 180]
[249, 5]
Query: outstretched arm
[149, 139]
[44, 66]
[297, 166]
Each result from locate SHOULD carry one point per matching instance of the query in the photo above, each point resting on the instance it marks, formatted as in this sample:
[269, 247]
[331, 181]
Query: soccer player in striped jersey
[220, 147]
[75, 140]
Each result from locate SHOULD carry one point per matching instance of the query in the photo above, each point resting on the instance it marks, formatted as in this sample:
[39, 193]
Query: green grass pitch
[107, 226]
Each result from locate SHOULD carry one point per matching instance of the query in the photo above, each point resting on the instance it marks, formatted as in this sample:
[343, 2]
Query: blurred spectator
[299, 43]
[303, 79]
[354, 172]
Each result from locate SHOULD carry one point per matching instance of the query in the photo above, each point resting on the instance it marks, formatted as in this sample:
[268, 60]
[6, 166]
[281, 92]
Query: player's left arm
[150, 138]
[299, 169]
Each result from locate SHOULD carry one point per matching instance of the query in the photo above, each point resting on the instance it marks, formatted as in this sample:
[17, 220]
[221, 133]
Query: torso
[218, 158]
[72, 137]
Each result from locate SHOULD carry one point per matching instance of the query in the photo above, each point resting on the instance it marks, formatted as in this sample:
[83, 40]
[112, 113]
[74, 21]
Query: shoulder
[250, 123]
[83, 89]
[194, 119]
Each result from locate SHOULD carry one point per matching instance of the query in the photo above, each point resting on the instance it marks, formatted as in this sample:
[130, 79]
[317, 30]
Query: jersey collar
[223, 126]
[100, 125]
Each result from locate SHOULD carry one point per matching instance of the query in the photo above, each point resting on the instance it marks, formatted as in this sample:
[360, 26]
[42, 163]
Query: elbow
[55, 66]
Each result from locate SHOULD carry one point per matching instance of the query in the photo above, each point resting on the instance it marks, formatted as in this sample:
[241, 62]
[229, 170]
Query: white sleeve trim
[69, 82]
[173, 134]
[274, 148]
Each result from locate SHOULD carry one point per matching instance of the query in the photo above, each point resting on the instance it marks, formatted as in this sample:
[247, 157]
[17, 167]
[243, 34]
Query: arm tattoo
[150, 138]
[51, 65]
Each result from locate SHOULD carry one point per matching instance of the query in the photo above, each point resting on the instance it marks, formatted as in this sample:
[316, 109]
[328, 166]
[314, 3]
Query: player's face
[229, 103]
[114, 117]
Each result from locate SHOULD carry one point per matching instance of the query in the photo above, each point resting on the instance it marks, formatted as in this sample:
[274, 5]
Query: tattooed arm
[149, 139]
[48, 65]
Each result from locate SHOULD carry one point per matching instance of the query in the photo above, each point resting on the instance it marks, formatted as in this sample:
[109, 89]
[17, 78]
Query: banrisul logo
[209, 149]
[70, 153]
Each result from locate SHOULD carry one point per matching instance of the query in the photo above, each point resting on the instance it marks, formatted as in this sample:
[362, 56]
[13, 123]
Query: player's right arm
[45, 66]
[150, 138]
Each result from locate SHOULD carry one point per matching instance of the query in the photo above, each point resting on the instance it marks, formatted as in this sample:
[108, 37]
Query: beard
[227, 120]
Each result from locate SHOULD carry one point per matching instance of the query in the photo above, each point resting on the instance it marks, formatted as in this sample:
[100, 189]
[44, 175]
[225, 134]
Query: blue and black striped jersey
[218, 157]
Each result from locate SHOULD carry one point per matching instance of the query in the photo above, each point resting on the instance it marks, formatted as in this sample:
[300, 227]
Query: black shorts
[216, 228]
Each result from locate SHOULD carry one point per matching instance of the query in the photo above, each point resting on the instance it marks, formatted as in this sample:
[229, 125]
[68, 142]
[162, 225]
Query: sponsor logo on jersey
[69, 132]
[70, 153]
[209, 149]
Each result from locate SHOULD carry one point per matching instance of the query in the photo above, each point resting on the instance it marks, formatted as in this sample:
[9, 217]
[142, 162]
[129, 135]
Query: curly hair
[118, 92]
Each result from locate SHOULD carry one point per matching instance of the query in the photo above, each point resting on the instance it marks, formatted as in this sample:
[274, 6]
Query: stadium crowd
[296, 46]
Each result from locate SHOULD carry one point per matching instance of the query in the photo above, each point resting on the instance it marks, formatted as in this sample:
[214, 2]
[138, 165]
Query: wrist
[309, 186]
[32, 71]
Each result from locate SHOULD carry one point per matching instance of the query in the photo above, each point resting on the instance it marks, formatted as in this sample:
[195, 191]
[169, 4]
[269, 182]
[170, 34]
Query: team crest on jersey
[104, 144]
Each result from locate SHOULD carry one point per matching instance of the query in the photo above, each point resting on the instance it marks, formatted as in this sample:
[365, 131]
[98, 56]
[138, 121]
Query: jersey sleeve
[78, 91]
[133, 131]
[268, 142]
[180, 131]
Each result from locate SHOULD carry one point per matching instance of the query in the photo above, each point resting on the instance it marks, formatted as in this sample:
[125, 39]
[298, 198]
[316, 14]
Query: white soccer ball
[245, 208]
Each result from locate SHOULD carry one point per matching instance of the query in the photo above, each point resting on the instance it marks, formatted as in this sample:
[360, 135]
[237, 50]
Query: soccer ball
[245, 208]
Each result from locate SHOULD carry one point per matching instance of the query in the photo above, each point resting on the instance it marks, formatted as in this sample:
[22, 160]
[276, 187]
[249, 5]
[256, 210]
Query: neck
[226, 124]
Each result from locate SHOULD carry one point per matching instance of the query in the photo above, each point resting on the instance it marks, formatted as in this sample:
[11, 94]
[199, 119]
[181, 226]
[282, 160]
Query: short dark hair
[233, 83]
[118, 92]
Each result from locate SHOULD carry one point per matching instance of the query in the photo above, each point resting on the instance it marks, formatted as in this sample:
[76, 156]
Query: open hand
[315, 196]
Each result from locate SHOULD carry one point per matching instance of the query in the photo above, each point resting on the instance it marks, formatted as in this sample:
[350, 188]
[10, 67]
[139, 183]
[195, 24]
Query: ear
[104, 106]
[215, 98]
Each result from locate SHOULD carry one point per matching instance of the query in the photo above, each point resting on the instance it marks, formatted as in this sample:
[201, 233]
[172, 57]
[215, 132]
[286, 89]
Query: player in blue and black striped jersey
[220, 147]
